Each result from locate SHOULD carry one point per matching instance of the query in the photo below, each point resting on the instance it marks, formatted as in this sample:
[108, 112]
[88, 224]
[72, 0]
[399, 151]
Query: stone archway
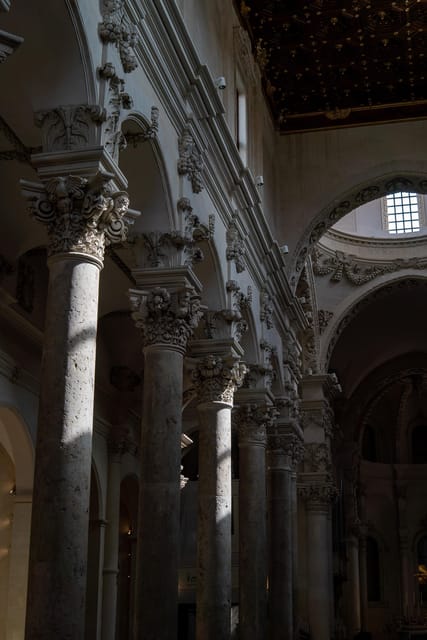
[346, 202]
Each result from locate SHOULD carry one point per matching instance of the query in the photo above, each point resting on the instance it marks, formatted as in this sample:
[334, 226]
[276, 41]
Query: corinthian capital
[318, 496]
[81, 216]
[166, 317]
[216, 378]
[253, 420]
[285, 445]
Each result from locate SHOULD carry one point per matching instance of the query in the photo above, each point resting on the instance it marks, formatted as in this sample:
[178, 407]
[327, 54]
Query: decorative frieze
[216, 378]
[81, 216]
[190, 162]
[166, 317]
[235, 247]
[117, 28]
[341, 266]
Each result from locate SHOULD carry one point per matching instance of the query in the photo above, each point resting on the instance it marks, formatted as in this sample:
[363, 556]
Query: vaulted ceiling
[333, 63]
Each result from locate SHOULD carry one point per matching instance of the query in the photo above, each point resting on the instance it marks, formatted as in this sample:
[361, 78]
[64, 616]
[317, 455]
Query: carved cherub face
[121, 203]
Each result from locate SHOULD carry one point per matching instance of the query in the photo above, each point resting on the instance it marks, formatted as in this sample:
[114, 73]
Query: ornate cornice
[81, 216]
[166, 317]
[216, 378]
[117, 28]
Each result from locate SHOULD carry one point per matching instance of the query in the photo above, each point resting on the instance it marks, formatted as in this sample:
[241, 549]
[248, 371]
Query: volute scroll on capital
[82, 216]
[253, 421]
[216, 378]
[166, 317]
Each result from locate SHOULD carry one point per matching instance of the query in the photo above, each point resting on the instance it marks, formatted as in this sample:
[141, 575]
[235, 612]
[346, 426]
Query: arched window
[419, 444]
[369, 444]
[373, 570]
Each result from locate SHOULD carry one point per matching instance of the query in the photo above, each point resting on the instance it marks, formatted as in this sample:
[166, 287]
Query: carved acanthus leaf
[253, 421]
[166, 317]
[216, 378]
[80, 216]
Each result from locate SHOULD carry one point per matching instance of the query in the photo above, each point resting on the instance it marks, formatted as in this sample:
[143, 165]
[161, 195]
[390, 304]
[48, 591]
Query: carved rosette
[81, 216]
[318, 496]
[253, 421]
[166, 317]
[216, 379]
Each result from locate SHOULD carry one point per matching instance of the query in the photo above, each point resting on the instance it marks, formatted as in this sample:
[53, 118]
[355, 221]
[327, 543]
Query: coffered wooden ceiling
[328, 63]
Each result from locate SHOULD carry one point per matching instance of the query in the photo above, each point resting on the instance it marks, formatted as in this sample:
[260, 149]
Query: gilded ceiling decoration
[327, 63]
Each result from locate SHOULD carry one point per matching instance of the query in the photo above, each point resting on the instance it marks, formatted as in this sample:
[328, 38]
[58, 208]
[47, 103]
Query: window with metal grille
[402, 212]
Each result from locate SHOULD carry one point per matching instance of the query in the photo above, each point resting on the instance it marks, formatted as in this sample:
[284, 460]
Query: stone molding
[166, 317]
[190, 162]
[117, 28]
[81, 216]
[216, 378]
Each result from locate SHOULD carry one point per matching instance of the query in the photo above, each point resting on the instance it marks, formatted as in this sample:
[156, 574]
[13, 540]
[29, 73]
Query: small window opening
[402, 212]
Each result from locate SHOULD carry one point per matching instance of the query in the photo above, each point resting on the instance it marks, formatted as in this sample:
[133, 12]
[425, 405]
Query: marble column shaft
[215, 379]
[280, 606]
[111, 545]
[252, 522]
[166, 318]
[318, 541]
[295, 547]
[353, 610]
[73, 210]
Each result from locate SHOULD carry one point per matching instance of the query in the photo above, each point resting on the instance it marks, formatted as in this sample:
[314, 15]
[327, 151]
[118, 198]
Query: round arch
[15, 437]
[373, 188]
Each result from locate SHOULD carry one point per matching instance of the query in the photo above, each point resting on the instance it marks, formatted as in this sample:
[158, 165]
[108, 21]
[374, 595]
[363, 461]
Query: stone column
[252, 427]
[318, 498]
[82, 214]
[295, 546]
[363, 575]
[167, 316]
[116, 448]
[280, 536]
[216, 379]
[353, 591]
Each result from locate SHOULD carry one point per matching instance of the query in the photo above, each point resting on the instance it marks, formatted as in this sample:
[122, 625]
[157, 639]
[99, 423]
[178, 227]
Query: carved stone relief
[216, 378]
[69, 127]
[117, 28]
[80, 216]
[354, 199]
[235, 247]
[166, 317]
[346, 267]
[190, 162]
